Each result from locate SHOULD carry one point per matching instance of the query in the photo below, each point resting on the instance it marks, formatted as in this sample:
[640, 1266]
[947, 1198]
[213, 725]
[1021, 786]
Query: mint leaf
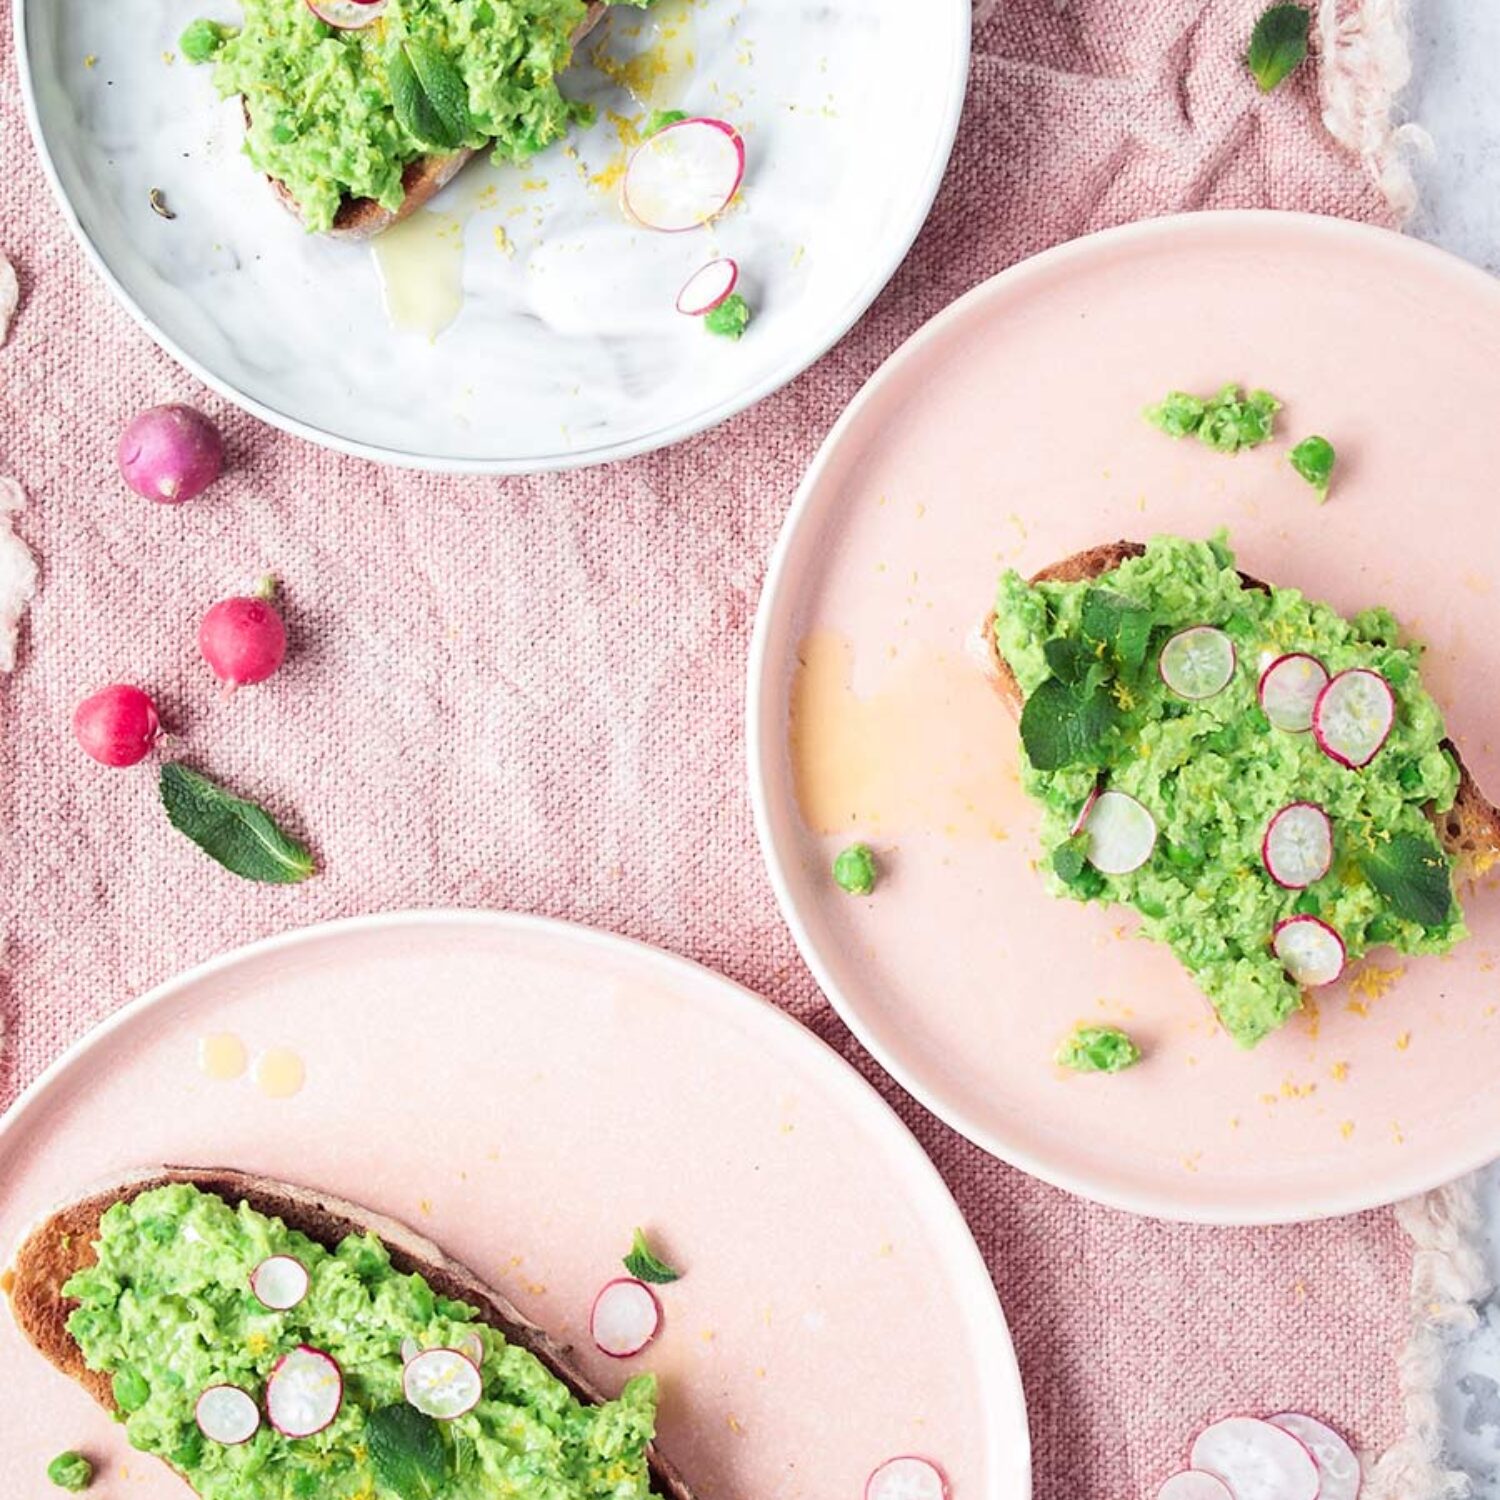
[407, 1451]
[646, 1266]
[1070, 863]
[428, 94]
[1313, 458]
[1278, 45]
[1120, 625]
[1414, 877]
[1070, 661]
[240, 835]
[1066, 724]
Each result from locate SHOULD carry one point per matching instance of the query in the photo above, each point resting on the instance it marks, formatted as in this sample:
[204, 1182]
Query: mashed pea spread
[339, 113]
[1213, 771]
[168, 1312]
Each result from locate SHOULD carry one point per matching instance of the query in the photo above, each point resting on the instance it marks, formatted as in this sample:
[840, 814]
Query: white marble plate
[565, 348]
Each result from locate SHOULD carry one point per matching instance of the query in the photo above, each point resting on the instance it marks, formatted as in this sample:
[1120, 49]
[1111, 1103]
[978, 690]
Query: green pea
[71, 1471]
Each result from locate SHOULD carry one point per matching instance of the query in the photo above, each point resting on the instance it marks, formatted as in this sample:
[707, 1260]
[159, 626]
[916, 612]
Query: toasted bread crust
[421, 181]
[64, 1244]
[1470, 830]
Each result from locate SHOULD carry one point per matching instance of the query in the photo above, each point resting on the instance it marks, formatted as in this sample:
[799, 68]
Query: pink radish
[684, 175]
[625, 1318]
[1256, 1460]
[1338, 1467]
[907, 1478]
[1289, 687]
[1353, 717]
[226, 1414]
[117, 725]
[708, 287]
[442, 1383]
[1298, 846]
[1198, 662]
[471, 1346]
[304, 1392]
[1194, 1484]
[1121, 833]
[243, 639]
[280, 1282]
[1312, 952]
[171, 454]
[347, 15]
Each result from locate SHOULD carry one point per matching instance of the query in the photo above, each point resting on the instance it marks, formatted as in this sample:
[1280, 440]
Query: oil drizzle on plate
[926, 754]
[279, 1073]
[421, 266]
[222, 1056]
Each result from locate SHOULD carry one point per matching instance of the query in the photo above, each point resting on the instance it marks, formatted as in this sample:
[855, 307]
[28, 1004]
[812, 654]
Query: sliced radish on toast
[1289, 687]
[280, 1282]
[625, 1318]
[304, 1392]
[227, 1415]
[709, 287]
[1256, 1460]
[1338, 1467]
[1083, 813]
[1353, 716]
[442, 1383]
[1311, 951]
[908, 1477]
[1198, 662]
[1194, 1484]
[347, 15]
[685, 175]
[1121, 833]
[1298, 845]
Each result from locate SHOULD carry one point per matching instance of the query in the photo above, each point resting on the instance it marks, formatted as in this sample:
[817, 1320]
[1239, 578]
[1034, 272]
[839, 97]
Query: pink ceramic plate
[1008, 432]
[525, 1093]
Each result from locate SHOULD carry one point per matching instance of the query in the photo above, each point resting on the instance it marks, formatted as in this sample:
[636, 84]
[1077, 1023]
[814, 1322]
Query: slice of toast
[64, 1244]
[421, 181]
[1470, 829]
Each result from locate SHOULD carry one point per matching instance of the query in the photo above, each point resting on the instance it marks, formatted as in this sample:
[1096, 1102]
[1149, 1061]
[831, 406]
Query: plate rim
[763, 699]
[944, 1216]
[910, 226]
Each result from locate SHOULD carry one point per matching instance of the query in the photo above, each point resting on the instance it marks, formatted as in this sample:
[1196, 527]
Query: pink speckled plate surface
[1009, 432]
[524, 1092]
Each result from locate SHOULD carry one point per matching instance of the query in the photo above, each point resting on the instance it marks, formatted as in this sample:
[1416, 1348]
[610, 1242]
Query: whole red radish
[117, 725]
[170, 454]
[243, 639]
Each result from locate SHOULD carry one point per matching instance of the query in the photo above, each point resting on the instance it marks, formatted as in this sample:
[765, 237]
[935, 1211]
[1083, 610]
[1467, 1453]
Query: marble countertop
[1455, 96]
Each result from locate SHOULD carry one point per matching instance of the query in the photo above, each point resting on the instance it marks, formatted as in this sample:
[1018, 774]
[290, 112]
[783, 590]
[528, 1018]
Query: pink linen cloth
[527, 694]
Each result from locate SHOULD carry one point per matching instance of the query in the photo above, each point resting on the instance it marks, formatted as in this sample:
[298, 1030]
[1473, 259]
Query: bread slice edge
[1470, 830]
[63, 1243]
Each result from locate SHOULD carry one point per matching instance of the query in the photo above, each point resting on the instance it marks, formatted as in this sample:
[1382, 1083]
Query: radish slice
[625, 1318]
[1289, 688]
[442, 1383]
[708, 288]
[280, 1282]
[1197, 662]
[304, 1392]
[471, 1346]
[1083, 814]
[1338, 1468]
[1256, 1460]
[907, 1478]
[410, 1349]
[226, 1414]
[347, 15]
[685, 175]
[1311, 950]
[1353, 716]
[1121, 833]
[1194, 1484]
[1298, 846]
